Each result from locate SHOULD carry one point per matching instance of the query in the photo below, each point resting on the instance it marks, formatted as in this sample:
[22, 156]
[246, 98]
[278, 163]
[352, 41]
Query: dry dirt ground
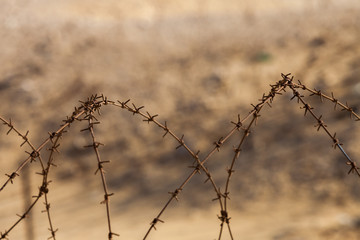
[197, 64]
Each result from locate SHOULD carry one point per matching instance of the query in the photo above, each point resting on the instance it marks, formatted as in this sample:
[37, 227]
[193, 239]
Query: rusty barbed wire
[91, 107]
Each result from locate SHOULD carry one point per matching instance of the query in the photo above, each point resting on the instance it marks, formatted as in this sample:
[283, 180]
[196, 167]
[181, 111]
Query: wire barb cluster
[89, 112]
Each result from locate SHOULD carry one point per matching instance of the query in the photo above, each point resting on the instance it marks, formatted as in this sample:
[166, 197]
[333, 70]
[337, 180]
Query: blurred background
[198, 64]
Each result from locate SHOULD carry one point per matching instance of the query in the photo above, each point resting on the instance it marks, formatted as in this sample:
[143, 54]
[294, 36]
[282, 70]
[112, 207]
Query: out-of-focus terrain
[198, 64]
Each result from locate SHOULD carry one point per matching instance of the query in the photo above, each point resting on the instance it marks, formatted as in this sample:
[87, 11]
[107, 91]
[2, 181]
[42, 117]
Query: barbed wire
[89, 111]
[322, 96]
[321, 124]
